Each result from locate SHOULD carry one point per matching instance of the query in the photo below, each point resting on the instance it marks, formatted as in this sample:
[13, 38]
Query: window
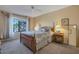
[15, 25]
[20, 25]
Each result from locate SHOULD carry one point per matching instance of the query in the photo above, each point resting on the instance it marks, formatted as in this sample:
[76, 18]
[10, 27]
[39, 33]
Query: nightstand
[58, 37]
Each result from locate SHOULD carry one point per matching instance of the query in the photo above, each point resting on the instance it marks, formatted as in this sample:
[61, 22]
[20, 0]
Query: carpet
[15, 47]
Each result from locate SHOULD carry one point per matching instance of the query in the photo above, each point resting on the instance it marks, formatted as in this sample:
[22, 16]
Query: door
[72, 35]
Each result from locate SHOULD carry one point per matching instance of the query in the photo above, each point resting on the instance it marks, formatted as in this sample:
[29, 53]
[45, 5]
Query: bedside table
[58, 37]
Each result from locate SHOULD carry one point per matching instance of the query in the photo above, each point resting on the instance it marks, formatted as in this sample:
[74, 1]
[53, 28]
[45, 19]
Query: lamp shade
[37, 27]
[58, 28]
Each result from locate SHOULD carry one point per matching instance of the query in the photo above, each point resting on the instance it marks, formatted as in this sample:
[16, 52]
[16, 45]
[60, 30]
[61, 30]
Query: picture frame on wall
[65, 21]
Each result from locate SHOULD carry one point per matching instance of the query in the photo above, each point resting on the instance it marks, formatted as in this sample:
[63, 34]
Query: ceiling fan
[34, 8]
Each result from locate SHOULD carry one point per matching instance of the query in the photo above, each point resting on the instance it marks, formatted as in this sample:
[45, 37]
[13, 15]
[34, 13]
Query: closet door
[72, 35]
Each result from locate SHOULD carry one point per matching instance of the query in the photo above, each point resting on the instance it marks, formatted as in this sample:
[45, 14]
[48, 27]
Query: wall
[32, 23]
[71, 12]
[4, 24]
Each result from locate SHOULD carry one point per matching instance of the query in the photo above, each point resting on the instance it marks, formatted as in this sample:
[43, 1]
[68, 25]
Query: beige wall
[4, 24]
[32, 23]
[71, 12]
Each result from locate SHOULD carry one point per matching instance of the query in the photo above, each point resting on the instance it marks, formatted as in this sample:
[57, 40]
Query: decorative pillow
[45, 29]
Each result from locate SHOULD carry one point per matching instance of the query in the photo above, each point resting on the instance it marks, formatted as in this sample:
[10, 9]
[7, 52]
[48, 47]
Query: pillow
[45, 29]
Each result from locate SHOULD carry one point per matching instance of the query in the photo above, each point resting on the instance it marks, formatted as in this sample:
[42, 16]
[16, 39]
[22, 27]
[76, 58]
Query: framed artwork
[65, 21]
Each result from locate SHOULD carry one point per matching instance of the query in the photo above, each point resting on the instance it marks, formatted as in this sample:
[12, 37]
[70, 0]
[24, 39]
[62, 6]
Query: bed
[35, 40]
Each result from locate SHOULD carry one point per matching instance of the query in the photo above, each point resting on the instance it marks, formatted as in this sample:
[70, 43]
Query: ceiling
[31, 10]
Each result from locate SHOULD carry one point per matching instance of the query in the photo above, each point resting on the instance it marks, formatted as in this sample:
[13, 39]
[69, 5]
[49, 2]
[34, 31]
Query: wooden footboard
[28, 41]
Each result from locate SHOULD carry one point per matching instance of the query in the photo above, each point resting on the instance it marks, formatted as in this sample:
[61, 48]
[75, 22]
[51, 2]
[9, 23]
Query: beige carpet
[55, 48]
[15, 47]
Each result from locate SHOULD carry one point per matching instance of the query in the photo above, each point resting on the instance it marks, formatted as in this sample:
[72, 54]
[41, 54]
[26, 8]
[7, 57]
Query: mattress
[28, 33]
[32, 33]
